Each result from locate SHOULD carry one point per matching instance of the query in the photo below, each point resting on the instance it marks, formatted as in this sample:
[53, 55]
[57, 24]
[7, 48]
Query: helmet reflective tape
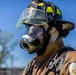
[41, 4]
[49, 9]
[58, 12]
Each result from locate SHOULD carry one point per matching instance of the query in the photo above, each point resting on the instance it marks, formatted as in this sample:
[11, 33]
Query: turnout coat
[52, 62]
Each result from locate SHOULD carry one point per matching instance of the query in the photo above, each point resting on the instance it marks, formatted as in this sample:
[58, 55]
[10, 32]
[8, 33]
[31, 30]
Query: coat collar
[51, 48]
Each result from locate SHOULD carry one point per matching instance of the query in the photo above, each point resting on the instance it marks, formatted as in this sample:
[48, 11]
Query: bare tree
[6, 47]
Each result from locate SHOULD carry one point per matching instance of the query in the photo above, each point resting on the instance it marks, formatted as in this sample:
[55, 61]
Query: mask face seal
[33, 40]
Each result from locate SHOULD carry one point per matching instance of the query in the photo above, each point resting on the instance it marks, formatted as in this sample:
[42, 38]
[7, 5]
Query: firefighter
[44, 32]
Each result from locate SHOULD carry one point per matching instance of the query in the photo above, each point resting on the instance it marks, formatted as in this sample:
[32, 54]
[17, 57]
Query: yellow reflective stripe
[32, 47]
[41, 4]
[50, 9]
[58, 11]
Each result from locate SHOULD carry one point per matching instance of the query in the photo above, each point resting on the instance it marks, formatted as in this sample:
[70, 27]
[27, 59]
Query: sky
[10, 11]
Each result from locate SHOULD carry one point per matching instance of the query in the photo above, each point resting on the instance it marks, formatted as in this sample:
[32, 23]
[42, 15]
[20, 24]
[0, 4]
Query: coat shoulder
[70, 56]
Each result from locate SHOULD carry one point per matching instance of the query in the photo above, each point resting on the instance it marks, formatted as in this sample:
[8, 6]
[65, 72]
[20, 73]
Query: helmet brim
[65, 25]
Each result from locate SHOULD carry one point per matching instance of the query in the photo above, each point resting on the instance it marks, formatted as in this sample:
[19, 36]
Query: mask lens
[36, 31]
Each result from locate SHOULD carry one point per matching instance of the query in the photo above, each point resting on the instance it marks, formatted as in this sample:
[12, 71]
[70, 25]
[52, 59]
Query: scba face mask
[36, 21]
[33, 40]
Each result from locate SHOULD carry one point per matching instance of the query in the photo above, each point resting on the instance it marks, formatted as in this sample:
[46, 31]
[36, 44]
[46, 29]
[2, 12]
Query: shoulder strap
[62, 60]
[66, 51]
[30, 68]
[58, 58]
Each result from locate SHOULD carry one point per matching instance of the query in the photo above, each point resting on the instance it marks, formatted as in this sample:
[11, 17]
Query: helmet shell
[55, 18]
[52, 10]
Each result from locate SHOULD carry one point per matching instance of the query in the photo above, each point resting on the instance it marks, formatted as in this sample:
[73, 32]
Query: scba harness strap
[54, 64]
